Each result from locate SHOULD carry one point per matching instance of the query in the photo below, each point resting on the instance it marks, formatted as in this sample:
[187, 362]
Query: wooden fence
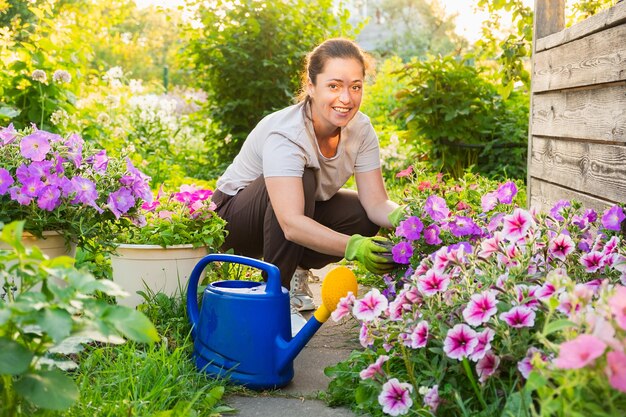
[577, 135]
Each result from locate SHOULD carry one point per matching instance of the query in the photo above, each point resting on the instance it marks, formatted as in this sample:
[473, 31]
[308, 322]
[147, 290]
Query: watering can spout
[338, 283]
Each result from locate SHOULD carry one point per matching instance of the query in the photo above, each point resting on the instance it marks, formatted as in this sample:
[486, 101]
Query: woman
[282, 195]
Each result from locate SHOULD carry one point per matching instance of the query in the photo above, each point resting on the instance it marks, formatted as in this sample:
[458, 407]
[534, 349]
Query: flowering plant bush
[61, 184]
[460, 335]
[185, 216]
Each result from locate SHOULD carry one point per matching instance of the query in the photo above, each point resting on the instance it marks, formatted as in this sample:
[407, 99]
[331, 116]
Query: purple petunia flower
[86, 192]
[6, 180]
[402, 252]
[17, 195]
[99, 161]
[410, 228]
[436, 208]
[460, 342]
[557, 209]
[613, 217]
[431, 399]
[49, 198]
[35, 146]
[32, 187]
[463, 226]
[121, 201]
[506, 192]
[431, 235]
[8, 134]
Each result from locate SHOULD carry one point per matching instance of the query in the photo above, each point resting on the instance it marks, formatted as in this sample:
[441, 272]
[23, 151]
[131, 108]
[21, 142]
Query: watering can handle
[273, 286]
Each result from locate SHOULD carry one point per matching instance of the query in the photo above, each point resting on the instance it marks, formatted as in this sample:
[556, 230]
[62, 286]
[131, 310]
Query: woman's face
[336, 94]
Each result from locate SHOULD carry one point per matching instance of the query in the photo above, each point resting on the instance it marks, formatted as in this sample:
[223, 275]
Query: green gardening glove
[397, 215]
[373, 252]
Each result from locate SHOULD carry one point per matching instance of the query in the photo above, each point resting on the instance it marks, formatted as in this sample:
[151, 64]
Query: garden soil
[332, 344]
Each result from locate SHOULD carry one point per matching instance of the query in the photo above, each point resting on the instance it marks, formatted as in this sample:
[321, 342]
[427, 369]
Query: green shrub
[451, 107]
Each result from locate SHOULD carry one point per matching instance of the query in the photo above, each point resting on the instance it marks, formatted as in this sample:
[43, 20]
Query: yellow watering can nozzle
[337, 284]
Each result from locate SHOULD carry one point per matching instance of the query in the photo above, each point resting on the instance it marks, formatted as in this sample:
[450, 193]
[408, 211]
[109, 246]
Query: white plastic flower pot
[152, 268]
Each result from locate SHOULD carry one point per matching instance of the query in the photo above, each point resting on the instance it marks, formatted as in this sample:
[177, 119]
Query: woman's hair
[329, 49]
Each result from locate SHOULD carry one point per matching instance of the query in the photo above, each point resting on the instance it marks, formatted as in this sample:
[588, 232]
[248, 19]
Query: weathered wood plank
[595, 59]
[595, 114]
[545, 194]
[613, 16]
[591, 168]
[549, 17]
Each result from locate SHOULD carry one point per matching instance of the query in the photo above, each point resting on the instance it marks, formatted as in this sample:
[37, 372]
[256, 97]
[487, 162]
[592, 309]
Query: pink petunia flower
[613, 218]
[370, 306]
[436, 208]
[516, 225]
[487, 366]
[617, 303]
[365, 337]
[506, 192]
[616, 369]
[561, 246]
[344, 306]
[484, 344]
[419, 335]
[592, 261]
[395, 397]
[490, 246]
[579, 352]
[460, 342]
[519, 316]
[411, 228]
[480, 308]
[405, 172]
[489, 201]
[431, 398]
[374, 369]
[433, 282]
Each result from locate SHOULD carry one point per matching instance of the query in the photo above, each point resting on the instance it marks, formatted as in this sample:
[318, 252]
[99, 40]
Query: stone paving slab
[332, 344]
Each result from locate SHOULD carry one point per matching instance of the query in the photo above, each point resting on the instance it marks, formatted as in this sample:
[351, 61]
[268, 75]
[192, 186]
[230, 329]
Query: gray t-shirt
[283, 144]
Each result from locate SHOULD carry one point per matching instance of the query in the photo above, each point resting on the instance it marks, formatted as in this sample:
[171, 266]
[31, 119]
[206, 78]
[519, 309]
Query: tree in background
[248, 56]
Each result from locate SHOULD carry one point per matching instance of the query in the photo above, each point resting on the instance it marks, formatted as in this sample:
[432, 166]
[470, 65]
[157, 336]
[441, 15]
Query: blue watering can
[243, 330]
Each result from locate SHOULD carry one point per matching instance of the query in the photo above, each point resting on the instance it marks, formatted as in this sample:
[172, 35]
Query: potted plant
[63, 187]
[174, 231]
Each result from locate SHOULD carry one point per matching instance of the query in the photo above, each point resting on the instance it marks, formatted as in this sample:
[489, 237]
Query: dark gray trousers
[254, 231]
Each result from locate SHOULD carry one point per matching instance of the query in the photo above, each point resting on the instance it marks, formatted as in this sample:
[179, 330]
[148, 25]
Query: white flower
[61, 76]
[58, 116]
[39, 75]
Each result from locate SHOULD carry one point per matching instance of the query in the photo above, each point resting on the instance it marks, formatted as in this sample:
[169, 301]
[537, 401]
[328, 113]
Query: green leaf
[14, 358]
[132, 324]
[517, 405]
[51, 390]
[535, 380]
[57, 323]
[557, 325]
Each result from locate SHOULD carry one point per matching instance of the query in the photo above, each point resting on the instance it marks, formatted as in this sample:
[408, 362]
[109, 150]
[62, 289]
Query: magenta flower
[6, 180]
[99, 161]
[431, 235]
[370, 306]
[487, 366]
[592, 261]
[8, 134]
[365, 337]
[395, 397]
[150, 206]
[419, 335]
[120, 201]
[405, 172]
[480, 308]
[374, 369]
[460, 342]
[516, 225]
[561, 246]
[17, 195]
[617, 303]
[616, 369]
[402, 252]
[85, 190]
[519, 316]
[490, 246]
[489, 201]
[506, 192]
[613, 217]
[32, 186]
[433, 282]
[410, 228]
[557, 209]
[484, 344]
[48, 198]
[580, 352]
[36, 145]
[202, 195]
[344, 306]
[525, 366]
[463, 226]
[431, 398]
[436, 208]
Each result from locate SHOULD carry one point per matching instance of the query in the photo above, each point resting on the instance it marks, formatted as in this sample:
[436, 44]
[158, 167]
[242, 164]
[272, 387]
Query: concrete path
[330, 345]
